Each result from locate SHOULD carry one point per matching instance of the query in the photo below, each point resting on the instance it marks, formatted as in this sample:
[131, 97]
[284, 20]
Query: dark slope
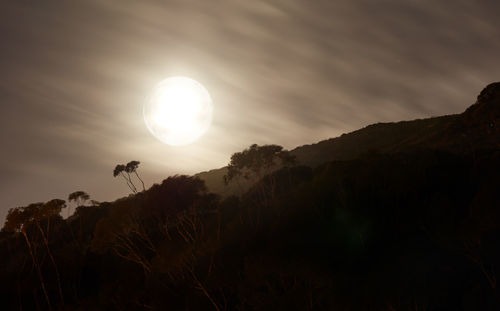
[403, 231]
[476, 128]
[373, 139]
[412, 225]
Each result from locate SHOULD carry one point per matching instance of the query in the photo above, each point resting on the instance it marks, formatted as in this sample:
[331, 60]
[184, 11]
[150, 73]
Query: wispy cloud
[75, 76]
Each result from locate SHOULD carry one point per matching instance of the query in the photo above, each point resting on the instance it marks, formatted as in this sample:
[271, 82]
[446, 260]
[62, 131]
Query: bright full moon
[179, 111]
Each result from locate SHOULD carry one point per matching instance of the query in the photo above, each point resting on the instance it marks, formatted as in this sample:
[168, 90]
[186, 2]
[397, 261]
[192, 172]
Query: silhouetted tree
[132, 167]
[254, 161]
[45, 212]
[18, 220]
[79, 197]
[131, 229]
[133, 243]
[120, 169]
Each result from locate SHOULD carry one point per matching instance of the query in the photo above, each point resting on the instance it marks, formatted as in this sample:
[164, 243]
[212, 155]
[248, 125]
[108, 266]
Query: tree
[18, 220]
[254, 161]
[78, 197]
[120, 169]
[132, 167]
[45, 212]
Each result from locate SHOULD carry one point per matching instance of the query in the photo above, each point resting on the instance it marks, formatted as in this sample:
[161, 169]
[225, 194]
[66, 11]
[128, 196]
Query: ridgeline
[394, 216]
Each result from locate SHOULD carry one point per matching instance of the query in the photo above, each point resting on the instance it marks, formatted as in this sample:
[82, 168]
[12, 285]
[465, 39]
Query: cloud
[290, 72]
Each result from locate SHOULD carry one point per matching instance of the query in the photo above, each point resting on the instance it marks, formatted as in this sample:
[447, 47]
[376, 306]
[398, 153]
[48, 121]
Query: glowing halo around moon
[179, 111]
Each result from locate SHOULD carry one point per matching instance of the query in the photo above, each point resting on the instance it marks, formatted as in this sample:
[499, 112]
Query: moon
[179, 111]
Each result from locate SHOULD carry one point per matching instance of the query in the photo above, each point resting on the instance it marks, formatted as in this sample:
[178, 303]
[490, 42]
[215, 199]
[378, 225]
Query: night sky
[75, 76]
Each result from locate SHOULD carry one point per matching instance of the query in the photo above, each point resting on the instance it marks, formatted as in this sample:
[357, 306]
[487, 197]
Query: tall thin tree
[132, 167]
[120, 169]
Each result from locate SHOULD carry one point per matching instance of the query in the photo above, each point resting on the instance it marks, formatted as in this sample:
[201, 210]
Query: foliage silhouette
[330, 238]
[79, 198]
[18, 219]
[414, 228]
[125, 171]
[255, 161]
[21, 218]
[121, 170]
[132, 167]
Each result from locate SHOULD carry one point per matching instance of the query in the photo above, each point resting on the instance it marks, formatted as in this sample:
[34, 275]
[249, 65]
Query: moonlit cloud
[292, 72]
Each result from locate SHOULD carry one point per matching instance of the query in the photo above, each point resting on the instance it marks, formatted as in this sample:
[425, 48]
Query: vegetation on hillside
[417, 228]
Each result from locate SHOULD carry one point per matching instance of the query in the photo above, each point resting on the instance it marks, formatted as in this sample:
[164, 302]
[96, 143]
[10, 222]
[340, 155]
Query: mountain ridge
[478, 127]
[398, 227]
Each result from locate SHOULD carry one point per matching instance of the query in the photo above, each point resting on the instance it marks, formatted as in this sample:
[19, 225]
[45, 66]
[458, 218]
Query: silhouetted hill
[405, 217]
[476, 128]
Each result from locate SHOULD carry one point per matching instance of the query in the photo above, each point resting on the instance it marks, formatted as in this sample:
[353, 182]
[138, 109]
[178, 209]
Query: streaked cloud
[75, 76]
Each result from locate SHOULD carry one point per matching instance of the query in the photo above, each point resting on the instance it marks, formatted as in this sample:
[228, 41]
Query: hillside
[399, 216]
[476, 128]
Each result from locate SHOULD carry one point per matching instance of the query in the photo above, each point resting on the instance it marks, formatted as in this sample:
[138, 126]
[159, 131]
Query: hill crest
[478, 127]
